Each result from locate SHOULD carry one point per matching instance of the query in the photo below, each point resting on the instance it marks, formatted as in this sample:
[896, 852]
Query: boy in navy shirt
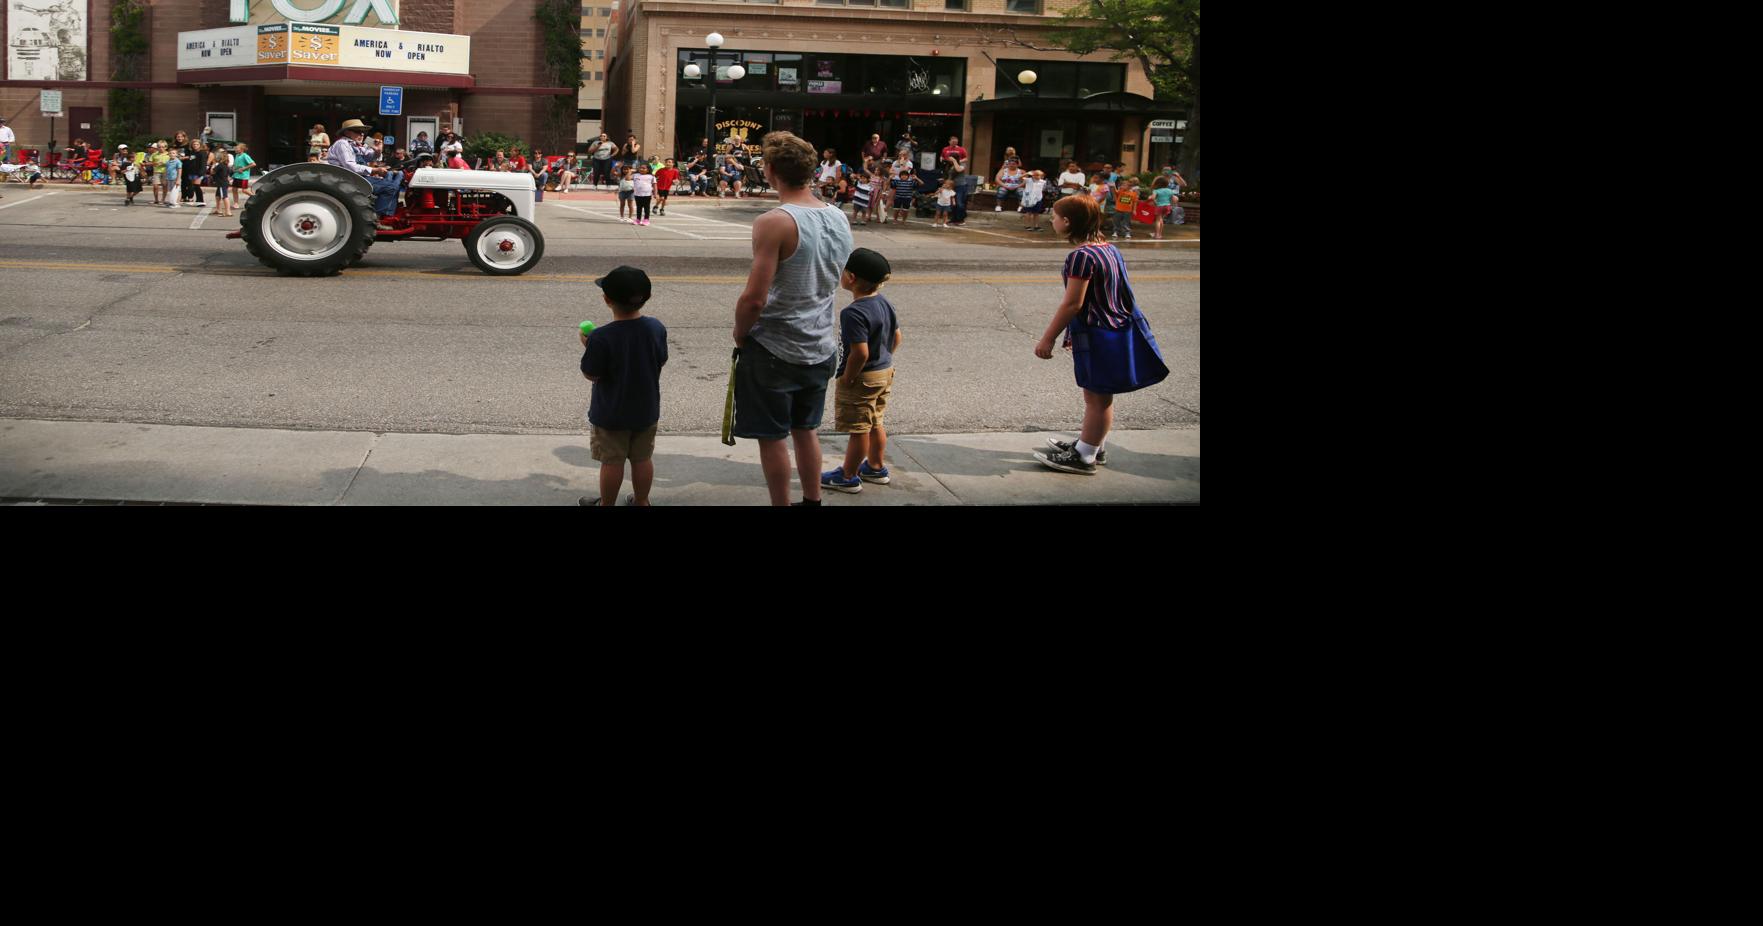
[871, 333]
[623, 360]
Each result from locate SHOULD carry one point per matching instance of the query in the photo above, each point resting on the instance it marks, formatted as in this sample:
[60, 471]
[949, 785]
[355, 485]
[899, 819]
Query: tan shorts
[619, 446]
[858, 409]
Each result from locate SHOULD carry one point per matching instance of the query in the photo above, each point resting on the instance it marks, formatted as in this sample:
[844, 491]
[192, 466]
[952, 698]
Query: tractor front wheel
[505, 246]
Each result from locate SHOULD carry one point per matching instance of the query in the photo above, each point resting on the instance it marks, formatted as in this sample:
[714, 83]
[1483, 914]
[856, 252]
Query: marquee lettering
[241, 11]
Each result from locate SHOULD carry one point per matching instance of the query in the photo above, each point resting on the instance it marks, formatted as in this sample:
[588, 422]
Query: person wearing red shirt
[519, 160]
[955, 153]
[664, 181]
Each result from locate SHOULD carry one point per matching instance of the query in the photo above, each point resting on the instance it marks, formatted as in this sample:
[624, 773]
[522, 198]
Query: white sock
[1087, 452]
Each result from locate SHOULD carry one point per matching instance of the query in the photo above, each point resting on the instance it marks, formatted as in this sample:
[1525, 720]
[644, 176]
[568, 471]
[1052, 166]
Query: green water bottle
[587, 328]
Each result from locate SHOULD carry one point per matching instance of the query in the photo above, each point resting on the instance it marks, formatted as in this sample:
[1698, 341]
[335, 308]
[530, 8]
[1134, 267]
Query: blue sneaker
[877, 476]
[835, 480]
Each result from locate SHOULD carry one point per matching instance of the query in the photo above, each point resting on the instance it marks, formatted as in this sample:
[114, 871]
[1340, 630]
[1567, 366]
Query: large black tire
[309, 220]
[505, 246]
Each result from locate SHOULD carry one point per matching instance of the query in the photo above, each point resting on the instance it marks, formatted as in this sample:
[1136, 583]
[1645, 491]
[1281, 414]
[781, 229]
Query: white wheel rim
[306, 226]
[505, 246]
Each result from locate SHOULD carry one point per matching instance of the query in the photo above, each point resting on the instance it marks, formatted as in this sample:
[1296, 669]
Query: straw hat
[355, 124]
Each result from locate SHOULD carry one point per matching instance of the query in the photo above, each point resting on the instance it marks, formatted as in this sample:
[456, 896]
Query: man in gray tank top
[785, 322]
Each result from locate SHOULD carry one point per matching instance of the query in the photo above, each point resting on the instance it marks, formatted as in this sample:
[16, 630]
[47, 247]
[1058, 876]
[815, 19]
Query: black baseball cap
[869, 266]
[627, 286]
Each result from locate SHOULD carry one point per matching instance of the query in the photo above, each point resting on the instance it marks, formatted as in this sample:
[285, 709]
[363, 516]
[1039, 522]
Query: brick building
[836, 71]
[596, 27]
[270, 69]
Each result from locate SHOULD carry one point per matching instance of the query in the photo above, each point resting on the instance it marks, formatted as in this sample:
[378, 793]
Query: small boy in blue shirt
[623, 360]
[870, 332]
[173, 168]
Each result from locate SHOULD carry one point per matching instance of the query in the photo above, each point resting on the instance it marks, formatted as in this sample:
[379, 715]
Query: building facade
[596, 26]
[266, 71]
[838, 71]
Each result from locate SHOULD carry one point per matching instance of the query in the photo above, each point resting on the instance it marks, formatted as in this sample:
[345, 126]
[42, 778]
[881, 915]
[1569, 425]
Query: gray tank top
[798, 324]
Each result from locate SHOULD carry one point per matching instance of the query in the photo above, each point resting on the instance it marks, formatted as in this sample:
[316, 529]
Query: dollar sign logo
[316, 43]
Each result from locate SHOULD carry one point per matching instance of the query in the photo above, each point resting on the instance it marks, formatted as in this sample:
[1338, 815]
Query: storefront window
[1060, 79]
[761, 72]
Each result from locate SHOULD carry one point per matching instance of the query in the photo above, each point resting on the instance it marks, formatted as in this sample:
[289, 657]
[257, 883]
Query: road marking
[600, 215]
[31, 200]
[455, 275]
[108, 268]
[202, 214]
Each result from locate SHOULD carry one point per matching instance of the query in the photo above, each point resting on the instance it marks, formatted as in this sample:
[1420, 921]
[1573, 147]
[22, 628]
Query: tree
[1163, 35]
[562, 65]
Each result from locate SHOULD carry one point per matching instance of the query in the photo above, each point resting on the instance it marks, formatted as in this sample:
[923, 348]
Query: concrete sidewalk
[49, 462]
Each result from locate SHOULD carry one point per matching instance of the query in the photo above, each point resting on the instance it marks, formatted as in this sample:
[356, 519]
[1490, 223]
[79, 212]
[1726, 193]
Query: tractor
[315, 220]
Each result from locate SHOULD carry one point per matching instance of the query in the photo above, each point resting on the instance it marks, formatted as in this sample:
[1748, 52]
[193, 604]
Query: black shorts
[773, 397]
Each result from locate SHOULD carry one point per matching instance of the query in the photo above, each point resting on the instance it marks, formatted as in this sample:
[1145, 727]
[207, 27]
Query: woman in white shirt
[318, 142]
[828, 174]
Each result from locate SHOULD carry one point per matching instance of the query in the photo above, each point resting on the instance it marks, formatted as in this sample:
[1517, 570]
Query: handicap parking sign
[391, 101]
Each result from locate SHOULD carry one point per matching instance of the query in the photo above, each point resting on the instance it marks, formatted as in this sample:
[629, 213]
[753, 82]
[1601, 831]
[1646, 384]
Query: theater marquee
[317, 45]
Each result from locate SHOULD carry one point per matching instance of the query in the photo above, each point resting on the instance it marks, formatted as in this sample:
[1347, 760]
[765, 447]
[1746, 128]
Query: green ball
[587, 328]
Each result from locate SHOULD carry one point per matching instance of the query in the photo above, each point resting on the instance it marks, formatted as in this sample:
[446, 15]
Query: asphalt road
[151, 315]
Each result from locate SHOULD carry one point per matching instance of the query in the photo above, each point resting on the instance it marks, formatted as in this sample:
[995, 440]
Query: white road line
[600, 215]
[697, 218]
[31, 200]
[993, 234]
[682, 217]
[201, 216]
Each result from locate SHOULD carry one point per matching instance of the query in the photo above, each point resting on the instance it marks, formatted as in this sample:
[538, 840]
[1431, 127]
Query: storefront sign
[311, 45]
[786, 76]
[272, 45]
[1162, 139]
[1052, 143]
[746, 131]
[826, 86]
[383, 12]
[306, 45]
[1162, 123]
[216, 48]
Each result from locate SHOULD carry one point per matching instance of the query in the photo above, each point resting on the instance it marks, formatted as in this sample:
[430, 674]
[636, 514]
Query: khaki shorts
[858, 409]
[619, 446]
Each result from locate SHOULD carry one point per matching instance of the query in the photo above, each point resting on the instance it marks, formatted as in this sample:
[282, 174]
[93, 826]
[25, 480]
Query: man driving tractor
[352, 154]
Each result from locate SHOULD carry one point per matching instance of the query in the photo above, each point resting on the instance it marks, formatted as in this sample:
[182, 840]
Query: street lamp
[1027, 80]
[713, 41]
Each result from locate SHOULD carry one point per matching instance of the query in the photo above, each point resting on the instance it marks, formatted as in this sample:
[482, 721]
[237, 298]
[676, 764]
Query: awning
[281, 73]
[1118, 102]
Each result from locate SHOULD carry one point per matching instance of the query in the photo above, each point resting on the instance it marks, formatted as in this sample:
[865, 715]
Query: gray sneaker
[1067, 461]
[1062, 445]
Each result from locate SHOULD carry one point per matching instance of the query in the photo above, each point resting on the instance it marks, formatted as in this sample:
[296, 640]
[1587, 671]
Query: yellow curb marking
[456, 275]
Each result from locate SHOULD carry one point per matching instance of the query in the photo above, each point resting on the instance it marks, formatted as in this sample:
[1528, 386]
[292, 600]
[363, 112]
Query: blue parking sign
[391, 101]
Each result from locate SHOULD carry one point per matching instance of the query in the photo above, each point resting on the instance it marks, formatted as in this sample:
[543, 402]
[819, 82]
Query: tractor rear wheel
[305, 222]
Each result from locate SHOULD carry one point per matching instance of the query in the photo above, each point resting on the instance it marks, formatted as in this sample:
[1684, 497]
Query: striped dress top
[798, 324]
[1108, 302]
